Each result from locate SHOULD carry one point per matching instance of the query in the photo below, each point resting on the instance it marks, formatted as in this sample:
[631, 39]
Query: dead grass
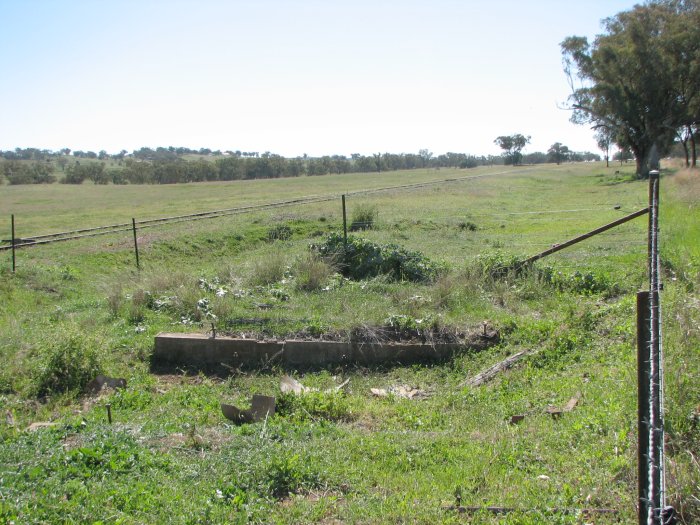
[687, 185]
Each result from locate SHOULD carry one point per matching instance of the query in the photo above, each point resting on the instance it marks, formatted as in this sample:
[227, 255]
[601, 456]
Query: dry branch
[491, 372]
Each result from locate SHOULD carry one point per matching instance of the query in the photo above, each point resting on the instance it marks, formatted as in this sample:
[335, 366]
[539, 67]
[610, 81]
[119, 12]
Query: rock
[100, 382]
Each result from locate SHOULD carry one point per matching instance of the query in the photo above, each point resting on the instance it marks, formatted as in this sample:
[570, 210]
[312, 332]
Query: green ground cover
[170, 456]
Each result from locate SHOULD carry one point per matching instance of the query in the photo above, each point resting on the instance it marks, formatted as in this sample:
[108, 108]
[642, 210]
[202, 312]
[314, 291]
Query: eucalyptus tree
[558, 153]
[513, 146]
[639, 79]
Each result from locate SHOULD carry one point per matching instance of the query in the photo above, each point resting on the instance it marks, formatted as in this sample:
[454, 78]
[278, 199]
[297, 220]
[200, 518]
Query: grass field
[75, 308]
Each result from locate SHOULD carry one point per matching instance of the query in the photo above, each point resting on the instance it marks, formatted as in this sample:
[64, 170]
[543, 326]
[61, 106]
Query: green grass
[170, 456]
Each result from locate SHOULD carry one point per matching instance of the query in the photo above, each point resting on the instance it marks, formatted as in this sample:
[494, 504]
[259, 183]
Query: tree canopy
[513, 146]
[558, 153]
[640, 79]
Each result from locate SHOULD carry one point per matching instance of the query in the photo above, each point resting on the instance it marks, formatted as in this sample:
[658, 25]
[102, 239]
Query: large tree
[558, 153]
[634, 79]
[513, 146]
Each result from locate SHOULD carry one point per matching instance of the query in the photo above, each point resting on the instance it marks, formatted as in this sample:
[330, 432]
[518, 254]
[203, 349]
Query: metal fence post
[643, 405]
[345, 225]
[136, 244]
[13, 243]
[654, 511]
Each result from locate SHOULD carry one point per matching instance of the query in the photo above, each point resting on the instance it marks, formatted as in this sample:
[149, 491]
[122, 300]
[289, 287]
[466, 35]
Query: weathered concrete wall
[200, 350]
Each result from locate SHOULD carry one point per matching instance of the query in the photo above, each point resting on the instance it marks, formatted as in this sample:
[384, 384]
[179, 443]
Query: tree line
[168, 166]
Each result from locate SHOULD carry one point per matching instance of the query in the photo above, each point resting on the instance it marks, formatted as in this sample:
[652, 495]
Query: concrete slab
[201, 350]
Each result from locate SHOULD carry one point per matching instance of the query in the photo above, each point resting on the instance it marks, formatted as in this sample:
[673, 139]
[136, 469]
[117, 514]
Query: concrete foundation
[199, 350]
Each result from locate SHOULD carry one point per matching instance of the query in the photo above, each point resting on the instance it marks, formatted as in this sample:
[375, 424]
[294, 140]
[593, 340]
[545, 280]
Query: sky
[316, 77]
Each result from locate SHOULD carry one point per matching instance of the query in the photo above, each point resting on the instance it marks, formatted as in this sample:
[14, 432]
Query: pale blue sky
[291, 77]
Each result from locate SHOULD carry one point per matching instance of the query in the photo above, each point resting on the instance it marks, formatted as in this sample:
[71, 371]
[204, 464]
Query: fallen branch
[491, 372]
[508, 510]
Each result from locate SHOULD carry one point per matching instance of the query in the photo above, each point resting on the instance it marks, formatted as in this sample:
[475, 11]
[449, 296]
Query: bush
[287, 473]
[269, 270]
[67, 363]
[497, 264]
[77, 173]
[364, 259]
[281, 232]
[312, 272]
[331, 406]
[364, 217]
[467, 226]
[34, 173]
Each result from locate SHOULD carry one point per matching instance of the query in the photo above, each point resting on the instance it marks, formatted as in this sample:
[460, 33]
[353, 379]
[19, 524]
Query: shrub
[288, 473]
[331, 406]
[364, 217]
[94, 171]
[364, 259]
[497, 264]
[583, 283]
[281, 232]
[268, 270]
[467, 226]
[34, 173]
[115, 298]
[67, 363]
[312, 272]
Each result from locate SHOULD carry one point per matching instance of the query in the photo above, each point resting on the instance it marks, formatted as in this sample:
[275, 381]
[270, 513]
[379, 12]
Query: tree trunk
[694, 153]
[640, 157]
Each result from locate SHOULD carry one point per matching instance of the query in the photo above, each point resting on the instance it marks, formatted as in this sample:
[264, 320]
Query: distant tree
[623, 155]
[378, 162]
[77, 173]
[425, 156]
[28, 173]
[201, 170]
[536, 157]
[231, 168]
[513, 146]
[138, 171]
[558, 153]
[604, 139]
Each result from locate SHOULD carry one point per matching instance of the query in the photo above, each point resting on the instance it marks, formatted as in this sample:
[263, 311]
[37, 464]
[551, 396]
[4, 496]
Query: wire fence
[544, 231]
[438, 211]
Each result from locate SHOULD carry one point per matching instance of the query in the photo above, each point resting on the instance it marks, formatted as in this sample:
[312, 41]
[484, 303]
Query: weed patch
[312, 272]
[330, 406]
[364, 217]
[268, 270]
[364, 259]
[67, 362]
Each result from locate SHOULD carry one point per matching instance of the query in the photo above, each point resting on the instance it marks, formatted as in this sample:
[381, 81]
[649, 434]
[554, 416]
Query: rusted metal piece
[261, 408]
